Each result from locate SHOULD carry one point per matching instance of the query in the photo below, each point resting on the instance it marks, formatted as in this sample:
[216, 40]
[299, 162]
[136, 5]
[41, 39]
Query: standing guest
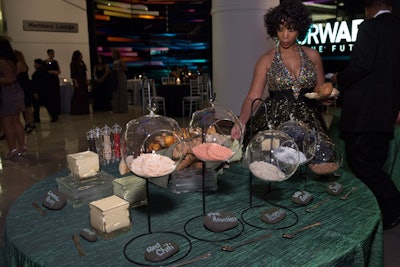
[11, 101]
[53, 69]
[102, 91]
[289, 71]
[80, 97]
[25, 82]
[120, 93]
[371, 102]
[36, 103]
[40, 89]
[175, 72]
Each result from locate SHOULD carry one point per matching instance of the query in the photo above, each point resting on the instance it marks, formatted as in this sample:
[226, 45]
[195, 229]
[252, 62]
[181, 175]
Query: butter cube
[109, 214]
[83, 164]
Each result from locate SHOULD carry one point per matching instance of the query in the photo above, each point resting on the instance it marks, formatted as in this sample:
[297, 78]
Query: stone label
[160, 250]
[220, 221]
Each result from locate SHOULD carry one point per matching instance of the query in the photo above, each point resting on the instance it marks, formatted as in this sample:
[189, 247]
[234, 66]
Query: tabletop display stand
[195, 228]
[251, 215]
[148, 126]
[215, 124]
[306, 140]
[137, 242]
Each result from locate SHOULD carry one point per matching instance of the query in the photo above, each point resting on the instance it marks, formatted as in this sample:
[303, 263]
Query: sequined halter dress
[286, 98]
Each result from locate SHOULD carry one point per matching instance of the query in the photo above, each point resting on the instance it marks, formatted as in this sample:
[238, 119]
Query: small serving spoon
[233, 248]
[290, 236]
[75, 237]
[313, 208]
[348, 193]
[38, 208]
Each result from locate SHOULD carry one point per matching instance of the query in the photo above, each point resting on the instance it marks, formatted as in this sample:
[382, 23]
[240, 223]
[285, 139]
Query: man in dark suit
[370, 87]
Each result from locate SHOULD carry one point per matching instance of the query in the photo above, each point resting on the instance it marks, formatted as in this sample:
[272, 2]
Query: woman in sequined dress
[288, 71]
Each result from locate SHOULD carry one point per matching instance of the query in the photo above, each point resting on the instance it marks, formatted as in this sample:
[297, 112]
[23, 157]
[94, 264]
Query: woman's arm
[316, 59]
[256, 90]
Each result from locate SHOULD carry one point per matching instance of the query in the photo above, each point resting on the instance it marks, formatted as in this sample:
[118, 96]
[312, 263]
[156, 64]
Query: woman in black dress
[80, 98]
[102, 91]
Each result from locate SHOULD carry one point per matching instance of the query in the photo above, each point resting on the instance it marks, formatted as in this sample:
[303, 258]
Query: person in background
[371, 103]
[53, 69]
[199, 70]
[11, 101]
[102, 91]
[40, 89]
[175, 72]
[80, 97]
[289, 71]
[26, 84]
[120, 93]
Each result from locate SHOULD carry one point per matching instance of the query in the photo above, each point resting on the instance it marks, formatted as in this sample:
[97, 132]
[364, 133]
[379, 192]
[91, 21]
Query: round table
[350, 233]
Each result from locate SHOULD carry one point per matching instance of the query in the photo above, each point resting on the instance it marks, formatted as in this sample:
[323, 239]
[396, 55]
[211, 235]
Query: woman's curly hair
[292, 14]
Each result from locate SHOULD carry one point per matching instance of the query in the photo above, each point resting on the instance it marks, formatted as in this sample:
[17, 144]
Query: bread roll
[325, 89]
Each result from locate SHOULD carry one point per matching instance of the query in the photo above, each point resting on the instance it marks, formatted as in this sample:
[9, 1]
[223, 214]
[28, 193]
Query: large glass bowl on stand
[147, 156]
[306, 141]
[271, 156]
[328, 156]
[214, 147]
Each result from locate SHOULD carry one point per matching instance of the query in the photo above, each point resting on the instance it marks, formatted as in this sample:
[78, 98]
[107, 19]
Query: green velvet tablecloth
[350, 233]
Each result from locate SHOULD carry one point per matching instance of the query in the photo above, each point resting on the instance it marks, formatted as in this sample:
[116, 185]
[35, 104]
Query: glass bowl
[272, 155]
[328, 157]
[304, 137]
[214, 142]
[152, 146]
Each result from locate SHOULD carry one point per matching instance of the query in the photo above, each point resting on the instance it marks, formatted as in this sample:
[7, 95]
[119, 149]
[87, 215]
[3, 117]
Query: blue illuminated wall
[179, 35]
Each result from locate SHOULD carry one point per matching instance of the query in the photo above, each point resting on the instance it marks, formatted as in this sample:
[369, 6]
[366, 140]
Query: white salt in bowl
[304, 137]
[144, 146]
[273, 156]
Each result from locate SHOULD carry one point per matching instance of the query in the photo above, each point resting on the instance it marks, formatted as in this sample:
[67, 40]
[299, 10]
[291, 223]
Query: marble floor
[51, 142]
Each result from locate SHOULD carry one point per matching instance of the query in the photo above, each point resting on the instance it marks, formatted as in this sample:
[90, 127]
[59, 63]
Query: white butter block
[109, 214]
[83, 164]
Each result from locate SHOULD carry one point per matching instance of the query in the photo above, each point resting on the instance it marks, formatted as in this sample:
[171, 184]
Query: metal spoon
[75, 237]
[37, 207]
[233, 248]
[313, 208]
[290, 236]
[348, 193]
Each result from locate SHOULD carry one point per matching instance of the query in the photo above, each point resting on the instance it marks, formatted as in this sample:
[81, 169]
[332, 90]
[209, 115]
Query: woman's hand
[325, 90]
[327, 101]
[235, 131]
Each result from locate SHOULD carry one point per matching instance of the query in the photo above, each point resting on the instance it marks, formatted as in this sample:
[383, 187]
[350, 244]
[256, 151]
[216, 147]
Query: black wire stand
[247, 215]
[251, 215]
[138, 241]
[195, 227]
